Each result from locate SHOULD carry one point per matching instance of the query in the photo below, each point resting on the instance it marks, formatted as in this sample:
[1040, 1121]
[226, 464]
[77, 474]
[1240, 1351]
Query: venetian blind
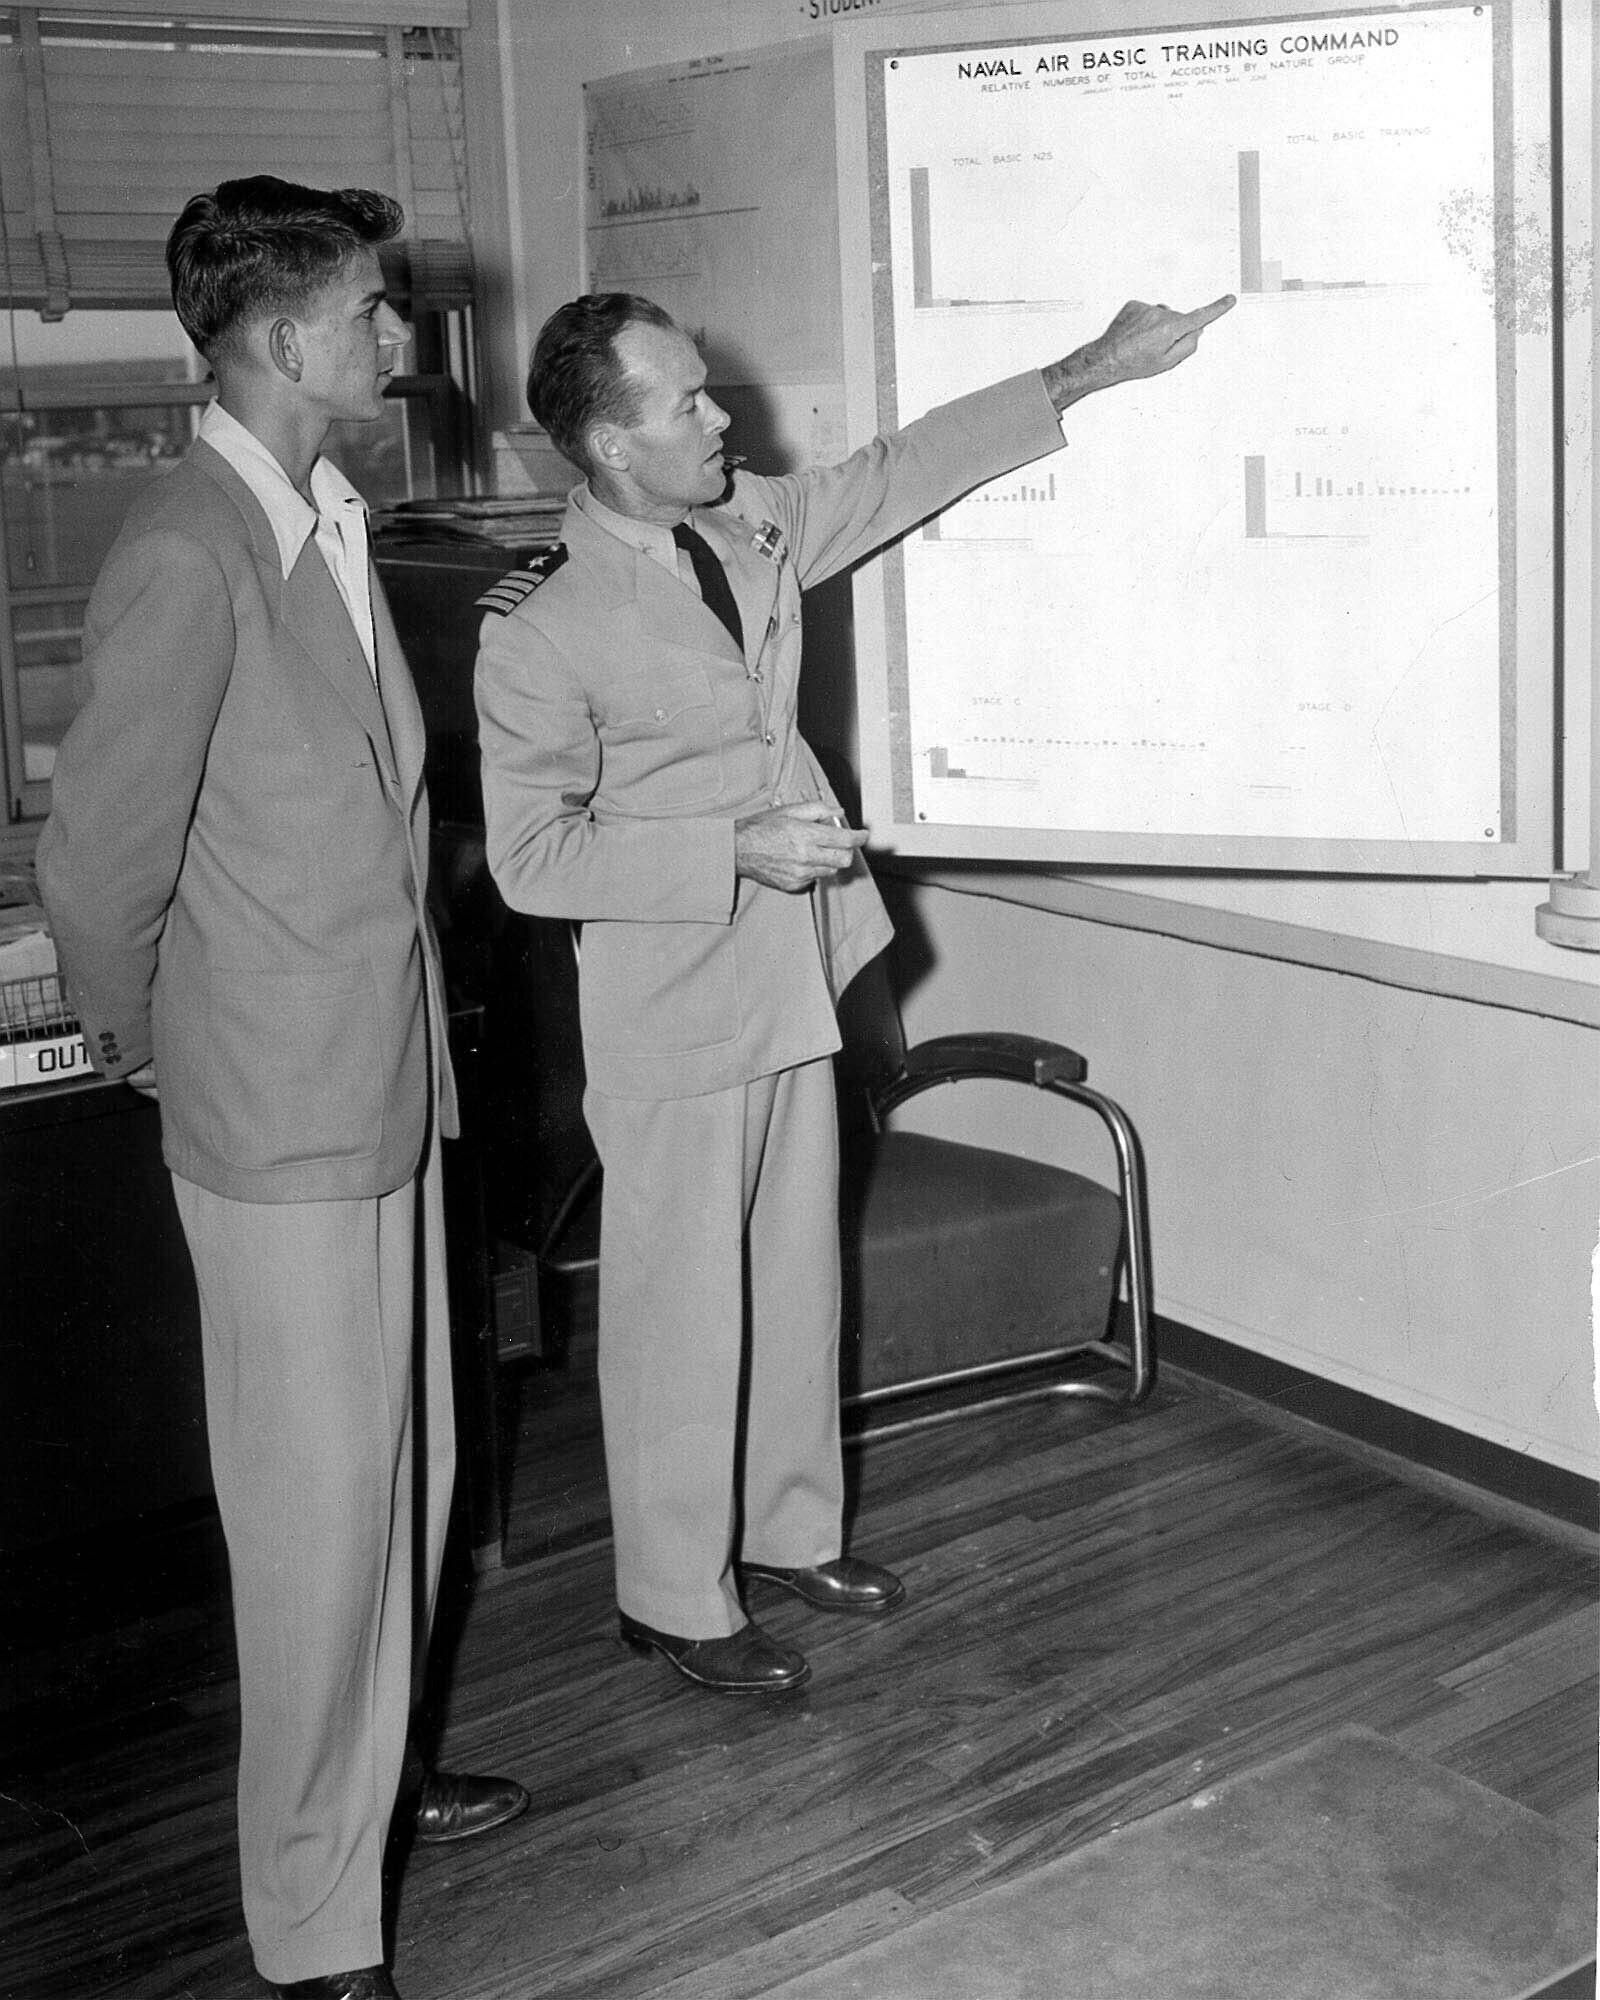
[110, 121]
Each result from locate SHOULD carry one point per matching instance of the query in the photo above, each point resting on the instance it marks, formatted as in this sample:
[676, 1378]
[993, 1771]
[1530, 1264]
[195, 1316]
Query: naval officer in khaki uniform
[643, 774]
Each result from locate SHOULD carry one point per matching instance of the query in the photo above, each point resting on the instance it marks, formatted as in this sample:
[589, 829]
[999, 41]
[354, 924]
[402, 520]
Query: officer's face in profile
[671, 459]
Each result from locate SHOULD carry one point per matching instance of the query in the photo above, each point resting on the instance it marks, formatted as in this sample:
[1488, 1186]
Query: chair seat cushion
[956, 1255]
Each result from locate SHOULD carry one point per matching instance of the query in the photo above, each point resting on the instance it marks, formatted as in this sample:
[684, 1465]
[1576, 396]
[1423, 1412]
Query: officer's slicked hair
[261, 246]
[576, 380]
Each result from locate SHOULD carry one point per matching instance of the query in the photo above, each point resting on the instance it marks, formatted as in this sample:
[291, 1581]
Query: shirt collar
[292, 520]
[648, 537]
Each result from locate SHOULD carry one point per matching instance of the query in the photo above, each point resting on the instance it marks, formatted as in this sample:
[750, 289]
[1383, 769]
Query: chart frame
[1528, 554]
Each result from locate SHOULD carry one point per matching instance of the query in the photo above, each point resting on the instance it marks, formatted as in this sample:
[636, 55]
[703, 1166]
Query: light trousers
[719, 1340]
[325, 1334]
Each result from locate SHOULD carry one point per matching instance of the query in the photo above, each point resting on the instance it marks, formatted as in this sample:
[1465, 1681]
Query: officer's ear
[608, 449]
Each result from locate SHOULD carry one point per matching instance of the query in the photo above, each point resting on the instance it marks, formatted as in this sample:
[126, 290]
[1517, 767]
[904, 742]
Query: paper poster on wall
[1266, 596]
[710, 190]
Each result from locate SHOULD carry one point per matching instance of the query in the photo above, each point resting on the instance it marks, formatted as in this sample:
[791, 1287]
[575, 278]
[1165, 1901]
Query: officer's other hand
[790, 847]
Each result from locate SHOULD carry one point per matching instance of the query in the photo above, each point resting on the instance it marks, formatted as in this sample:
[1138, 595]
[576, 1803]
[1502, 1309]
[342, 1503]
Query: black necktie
[712, 579]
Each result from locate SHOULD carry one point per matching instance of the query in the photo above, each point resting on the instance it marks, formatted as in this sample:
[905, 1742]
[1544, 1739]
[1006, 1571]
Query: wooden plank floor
[1107, 1613]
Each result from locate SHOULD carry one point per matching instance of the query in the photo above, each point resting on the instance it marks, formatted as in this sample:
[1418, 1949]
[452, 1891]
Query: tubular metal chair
[965, 1267]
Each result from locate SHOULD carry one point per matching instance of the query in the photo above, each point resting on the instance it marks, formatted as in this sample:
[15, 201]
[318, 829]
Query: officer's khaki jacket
[623, 736]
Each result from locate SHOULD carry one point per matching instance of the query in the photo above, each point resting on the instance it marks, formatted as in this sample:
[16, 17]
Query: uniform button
[769, 739]
[661, 715]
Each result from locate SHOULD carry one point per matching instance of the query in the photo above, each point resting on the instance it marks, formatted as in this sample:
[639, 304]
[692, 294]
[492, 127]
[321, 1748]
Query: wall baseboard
[1497, 1472]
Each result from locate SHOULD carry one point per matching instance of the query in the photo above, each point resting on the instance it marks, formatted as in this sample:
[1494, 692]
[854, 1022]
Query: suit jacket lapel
[310, 606]
[407, 731]
[318, 617]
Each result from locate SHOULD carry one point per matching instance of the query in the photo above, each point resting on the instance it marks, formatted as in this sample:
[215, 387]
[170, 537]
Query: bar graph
[1266, 500]
[1305, 503]
[990, 508]
[1262, 274]
[925, 296]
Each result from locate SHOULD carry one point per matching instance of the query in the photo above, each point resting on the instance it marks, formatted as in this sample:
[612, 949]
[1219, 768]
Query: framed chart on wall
[1292, 605]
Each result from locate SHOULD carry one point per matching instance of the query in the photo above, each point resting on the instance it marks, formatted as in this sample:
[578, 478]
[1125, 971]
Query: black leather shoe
[842, 1585]
[748, 1661]
[455, 1806]
[367, 1982]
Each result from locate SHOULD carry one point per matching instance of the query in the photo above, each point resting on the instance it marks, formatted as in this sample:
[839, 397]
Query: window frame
[447, 340]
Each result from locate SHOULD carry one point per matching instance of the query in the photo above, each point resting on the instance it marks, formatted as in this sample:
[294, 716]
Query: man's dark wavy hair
[262, 246]
[575, 379]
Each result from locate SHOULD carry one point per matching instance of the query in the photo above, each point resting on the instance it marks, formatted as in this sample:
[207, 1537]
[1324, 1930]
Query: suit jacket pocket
[290, 1065]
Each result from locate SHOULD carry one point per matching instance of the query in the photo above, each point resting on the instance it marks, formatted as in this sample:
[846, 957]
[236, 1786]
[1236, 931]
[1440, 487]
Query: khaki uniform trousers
[325, 1335]
[719, 1340]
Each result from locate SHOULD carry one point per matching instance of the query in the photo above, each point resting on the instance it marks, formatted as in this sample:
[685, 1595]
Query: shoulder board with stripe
[510, 591]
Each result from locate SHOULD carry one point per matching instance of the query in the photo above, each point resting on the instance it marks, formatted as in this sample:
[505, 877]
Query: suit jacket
[623, 735]
[235, 862]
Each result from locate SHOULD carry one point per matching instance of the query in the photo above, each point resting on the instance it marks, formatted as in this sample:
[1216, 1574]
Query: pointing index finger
[1204, 315]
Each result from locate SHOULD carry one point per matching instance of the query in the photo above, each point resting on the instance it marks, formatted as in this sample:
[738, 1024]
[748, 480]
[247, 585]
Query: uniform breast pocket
[661, 742]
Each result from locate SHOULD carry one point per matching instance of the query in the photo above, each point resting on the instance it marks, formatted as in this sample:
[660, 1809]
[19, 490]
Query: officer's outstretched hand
[1142, 340]
[790, 847]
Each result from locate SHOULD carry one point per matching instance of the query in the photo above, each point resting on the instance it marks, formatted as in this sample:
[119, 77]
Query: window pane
[48, 641]
[69, 476]
[391, 458]
[93, 407]
[53, 353]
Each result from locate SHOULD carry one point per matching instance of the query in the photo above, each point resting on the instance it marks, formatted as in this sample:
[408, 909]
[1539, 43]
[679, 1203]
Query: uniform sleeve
[158, 651]
[549, 853]
[835, 515]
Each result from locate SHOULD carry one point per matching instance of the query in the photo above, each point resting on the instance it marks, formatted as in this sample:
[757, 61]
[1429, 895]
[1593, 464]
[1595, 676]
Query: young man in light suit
[643, 773]
[235, 868]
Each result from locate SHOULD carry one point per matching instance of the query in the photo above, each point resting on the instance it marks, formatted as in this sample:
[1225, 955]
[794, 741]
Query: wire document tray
[39, 1035]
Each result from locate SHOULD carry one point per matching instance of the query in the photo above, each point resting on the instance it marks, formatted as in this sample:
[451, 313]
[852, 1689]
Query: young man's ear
[283, 348]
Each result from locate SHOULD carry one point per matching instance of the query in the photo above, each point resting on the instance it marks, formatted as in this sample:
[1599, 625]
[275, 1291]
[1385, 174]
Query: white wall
[1392, 1189]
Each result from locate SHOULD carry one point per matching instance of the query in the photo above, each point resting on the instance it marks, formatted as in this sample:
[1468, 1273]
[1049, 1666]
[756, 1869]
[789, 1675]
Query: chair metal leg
[1134, 1256]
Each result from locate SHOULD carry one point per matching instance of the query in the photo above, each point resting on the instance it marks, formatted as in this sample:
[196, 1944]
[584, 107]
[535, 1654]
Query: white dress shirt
[338, 521]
